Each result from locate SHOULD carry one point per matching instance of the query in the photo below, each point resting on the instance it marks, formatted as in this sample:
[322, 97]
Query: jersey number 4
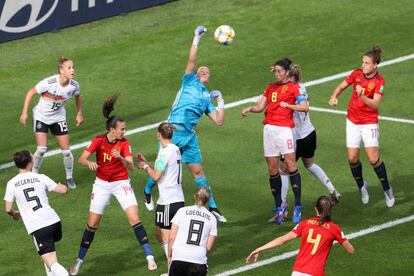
[315, 241]
[195, 232]
[32, 198]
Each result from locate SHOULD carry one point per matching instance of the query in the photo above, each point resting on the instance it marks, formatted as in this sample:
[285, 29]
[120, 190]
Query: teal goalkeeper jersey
[192, 101]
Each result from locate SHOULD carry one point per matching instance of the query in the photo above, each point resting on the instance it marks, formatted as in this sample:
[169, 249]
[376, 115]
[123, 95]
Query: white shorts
[369, 134]
[103, 190]
[277, 140]
[297, 273]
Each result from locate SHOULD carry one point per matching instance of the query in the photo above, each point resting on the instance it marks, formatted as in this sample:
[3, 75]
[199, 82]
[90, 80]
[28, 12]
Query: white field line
[291, 254]
[249, 100]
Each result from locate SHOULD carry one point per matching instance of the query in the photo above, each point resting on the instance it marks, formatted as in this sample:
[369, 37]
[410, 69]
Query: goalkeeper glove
[198, 32]
[215, 94]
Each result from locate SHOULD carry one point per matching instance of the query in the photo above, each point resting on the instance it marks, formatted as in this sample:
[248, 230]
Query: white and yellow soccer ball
[224, 34]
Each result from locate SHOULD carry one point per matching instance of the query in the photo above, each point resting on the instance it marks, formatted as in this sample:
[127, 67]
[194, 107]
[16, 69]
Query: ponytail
[107, 108]
[295, 73]
[324, 207]
[202, 196]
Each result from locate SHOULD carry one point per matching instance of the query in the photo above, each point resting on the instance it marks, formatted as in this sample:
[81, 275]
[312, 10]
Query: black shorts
[180, 268]
[57, 129]
[45, 238]
[165, 213]
[306, 147]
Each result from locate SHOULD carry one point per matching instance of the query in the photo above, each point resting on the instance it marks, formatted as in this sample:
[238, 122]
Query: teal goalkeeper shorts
[187, 142]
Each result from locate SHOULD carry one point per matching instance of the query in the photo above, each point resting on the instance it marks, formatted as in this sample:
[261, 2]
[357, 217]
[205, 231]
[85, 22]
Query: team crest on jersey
[284, 89]
[371, 85]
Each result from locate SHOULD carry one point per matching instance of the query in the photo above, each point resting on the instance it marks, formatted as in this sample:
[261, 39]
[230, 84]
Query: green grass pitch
[143, 55]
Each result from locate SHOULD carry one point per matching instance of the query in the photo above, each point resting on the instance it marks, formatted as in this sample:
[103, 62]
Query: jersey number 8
[195, 232]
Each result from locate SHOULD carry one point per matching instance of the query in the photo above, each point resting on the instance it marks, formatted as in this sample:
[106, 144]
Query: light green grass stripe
[249, 100]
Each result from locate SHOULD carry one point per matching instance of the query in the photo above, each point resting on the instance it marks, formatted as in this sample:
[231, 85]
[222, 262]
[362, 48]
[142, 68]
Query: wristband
[220, 102]
[196, 40]
[145, 167]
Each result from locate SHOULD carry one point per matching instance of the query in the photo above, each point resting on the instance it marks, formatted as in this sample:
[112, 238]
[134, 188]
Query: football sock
[296, 183]
[87, 239]
[142, 238]
[68, 162]
[201, 181]
[379, 168]
[48, 271]
[164, 246]
[38, 158]
[58, 270]
[148, 186]
[276, 188]
[321, 176]
[356, 170]
[285, 185]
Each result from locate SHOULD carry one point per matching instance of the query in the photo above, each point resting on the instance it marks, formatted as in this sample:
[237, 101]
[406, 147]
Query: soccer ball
[224, 34]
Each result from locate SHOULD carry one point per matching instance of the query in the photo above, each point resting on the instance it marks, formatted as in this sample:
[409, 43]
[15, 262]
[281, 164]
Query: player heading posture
[113, 160]
[318, 234]
[277, 134]
[305, 136]
[167, 172]
[50, 113]
[192, 101]
[40, 220]
[193, 232]
[362, 121]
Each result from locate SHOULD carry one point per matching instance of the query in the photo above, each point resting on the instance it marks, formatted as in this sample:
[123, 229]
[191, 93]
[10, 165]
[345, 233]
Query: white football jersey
[303, 125]
[195, 224]
[53, 97]
[169, 185]
[29, 191]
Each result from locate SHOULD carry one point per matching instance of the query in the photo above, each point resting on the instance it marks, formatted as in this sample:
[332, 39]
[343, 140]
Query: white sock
[59, 270]
[164, 246]
[48, 271]
[38, 158]
[285, 185]
[321, 176]
[68, 162]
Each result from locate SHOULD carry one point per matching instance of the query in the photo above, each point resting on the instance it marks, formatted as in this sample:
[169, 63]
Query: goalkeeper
[192, 101]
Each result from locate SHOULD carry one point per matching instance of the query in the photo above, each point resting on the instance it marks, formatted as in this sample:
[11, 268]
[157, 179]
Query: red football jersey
[276, 93]
[110, 167]
[358, 112]
[315, 245]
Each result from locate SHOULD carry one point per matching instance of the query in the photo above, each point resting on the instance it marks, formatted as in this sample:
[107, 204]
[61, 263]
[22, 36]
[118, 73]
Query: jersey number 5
[194, 232]
[315, 241]
[31, 198]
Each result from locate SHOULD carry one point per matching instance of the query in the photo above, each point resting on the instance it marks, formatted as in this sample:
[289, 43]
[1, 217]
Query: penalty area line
[290, 254]
[250, 100]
